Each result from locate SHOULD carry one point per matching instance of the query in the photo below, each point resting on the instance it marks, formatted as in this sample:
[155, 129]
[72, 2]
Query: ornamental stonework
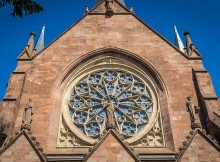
[112, 95]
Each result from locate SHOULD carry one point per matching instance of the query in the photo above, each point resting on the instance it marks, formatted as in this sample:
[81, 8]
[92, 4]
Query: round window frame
[135, 70]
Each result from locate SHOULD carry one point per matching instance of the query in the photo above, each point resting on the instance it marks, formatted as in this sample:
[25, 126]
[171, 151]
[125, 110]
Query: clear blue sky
[201, 17]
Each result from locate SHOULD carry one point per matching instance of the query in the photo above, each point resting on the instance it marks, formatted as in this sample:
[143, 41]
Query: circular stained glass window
[110, 98]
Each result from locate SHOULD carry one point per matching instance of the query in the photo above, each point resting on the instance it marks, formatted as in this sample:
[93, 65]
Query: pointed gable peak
[29, 147]
[112, 147]
[195, 139]
[109, 7]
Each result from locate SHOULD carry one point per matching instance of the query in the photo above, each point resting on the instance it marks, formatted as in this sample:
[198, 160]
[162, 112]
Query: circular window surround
[104, 63]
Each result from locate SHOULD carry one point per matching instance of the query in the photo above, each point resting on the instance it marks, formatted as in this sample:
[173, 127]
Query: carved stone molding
[32, 141]
[86, 91]
[154, 138]
[66, 138]
[109, 7]
[5, 123]
[189, 139]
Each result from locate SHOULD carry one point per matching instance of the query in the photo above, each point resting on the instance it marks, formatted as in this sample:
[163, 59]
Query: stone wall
[43, 73]
[21, 150]
[200, 151]
[92, 33]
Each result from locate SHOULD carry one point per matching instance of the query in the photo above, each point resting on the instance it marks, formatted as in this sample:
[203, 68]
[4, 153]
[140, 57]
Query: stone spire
[190, 48]
[121, 1]
[40, 43]
[178, 42]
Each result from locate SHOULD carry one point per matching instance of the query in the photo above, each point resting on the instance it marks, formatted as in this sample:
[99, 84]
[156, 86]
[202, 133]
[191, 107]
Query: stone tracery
[129, 96]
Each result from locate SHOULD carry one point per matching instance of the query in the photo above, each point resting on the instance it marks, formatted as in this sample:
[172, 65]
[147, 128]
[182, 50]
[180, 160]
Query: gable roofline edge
[115, 135]
[129, 13]
[15, 138]
[204, 136]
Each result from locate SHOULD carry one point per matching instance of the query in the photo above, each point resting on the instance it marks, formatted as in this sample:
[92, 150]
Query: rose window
[120, 92]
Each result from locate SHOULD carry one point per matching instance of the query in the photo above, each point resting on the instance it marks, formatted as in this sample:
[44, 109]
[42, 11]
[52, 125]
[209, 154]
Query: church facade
[105, 91]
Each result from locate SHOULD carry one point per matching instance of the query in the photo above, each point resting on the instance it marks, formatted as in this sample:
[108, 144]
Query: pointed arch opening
[154, 133]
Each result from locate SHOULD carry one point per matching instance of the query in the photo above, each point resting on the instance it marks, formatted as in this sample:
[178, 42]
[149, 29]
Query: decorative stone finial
[192, 109]
[30, 45]
[109, 4]
[190, 48]
[87, 10]
[131, 9]
[27, 116]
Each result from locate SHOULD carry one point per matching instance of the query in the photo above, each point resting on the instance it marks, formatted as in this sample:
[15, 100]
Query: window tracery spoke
[127, 94]
[86, 108]
[106, 88]
[130, 118]
[132, 107]
[97, 88]
[125, 91]
[93, 116]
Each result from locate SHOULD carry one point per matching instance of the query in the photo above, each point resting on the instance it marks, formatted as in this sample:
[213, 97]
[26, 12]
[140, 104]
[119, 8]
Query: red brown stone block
[110, 150]
[201, 151]
[21, 151]
[48, 74]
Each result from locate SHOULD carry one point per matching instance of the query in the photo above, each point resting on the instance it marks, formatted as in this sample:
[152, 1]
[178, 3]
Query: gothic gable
[114, 62]
[200, 148]
[99, 25]
[111, 147]
[22, 148]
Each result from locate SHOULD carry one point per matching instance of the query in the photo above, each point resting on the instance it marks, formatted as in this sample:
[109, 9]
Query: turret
[30, 50]
[30, 45]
